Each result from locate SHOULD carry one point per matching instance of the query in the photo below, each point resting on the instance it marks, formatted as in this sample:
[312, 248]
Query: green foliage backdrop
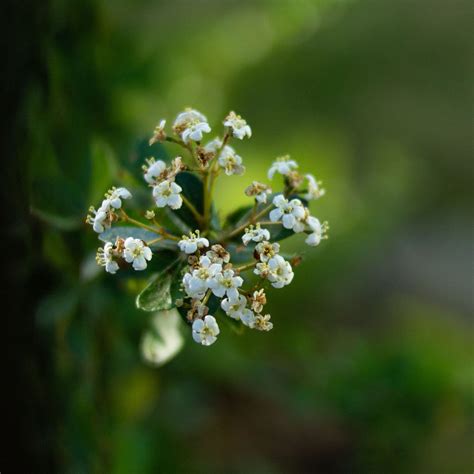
[369, 366]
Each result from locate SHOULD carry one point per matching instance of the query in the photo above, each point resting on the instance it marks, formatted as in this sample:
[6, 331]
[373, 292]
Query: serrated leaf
[157, 295]
[164, 341]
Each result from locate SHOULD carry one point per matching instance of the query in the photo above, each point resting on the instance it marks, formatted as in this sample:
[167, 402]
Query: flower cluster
[133, 251]
[220, 272]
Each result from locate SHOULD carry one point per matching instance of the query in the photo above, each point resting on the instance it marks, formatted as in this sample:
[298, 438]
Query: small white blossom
[314, 189]
[289, 212]
[234, 307]
[115, 196]
[226, 283]
[256, 234]
[283, 165]
[281, 273]
[248, 318]
[167, 193]
[239, 126]
[199, 280]
[159, 134]
[213, 145]
[190, 125]
[205, 331]
[106, 258]
[318, 232]
[192, 243]
[267, 250]
[277, 270]
[230, 162]
[136, 253]
[100, 219]
[218, 254]
[262, 323]
[259, 190]
[154, 171]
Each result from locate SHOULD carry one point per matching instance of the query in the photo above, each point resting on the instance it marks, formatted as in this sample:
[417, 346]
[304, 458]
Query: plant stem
[159, 231]
[247, 266]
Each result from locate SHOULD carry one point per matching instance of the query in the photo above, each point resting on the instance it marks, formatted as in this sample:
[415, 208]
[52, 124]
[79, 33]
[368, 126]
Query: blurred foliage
[369, 366]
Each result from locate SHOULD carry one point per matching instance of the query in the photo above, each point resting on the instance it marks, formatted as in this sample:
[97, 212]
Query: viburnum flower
[262, 323]
[205, 331]
[287, 211]
[283, 165]
[167, 193]
[226, 283]
[277, 270]
[159, 134]
[201, 278]
[256, 234]
[116, 195]
[238, 125]
[190, 125]
[266, 250]
[234, 307]
[106, 258]
[136, 253]
[206, 266]
[259, 190]
[193, 242]
[154, 171]
[230, 162]
[314, 189]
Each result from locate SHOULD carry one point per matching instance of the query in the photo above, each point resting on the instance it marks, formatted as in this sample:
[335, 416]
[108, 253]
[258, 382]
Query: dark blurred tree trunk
[29, 421]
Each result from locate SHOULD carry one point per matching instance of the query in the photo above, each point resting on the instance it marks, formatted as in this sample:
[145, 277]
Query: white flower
[101, 218]
[213, 145]
[105, 257]
[205, 331]
[196, 283]
[280, 272]
[231, 162]
[262, 323]
[314, 190]
[218, 254]
[287, 212]
[259, 190]
[267, 250]
[159, 134]
[283, 165]
[248, 318]
[190, 125]
[167, 193]
[136, 253]
[239, 126]
[116, 195]
[318, 231]
[154, 170]
[192, 243]
[234, 307]
[225, 283]
[277, 270]
[195, 131]
[256, 234]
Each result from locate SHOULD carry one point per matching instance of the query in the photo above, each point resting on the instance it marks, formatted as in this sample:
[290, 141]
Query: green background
[369, 366]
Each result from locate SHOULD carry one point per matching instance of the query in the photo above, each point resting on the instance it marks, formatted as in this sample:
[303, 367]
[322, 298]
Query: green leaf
[239, 253]
[157, 295]
[236, 216]
[193, 191]
[164, 341]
